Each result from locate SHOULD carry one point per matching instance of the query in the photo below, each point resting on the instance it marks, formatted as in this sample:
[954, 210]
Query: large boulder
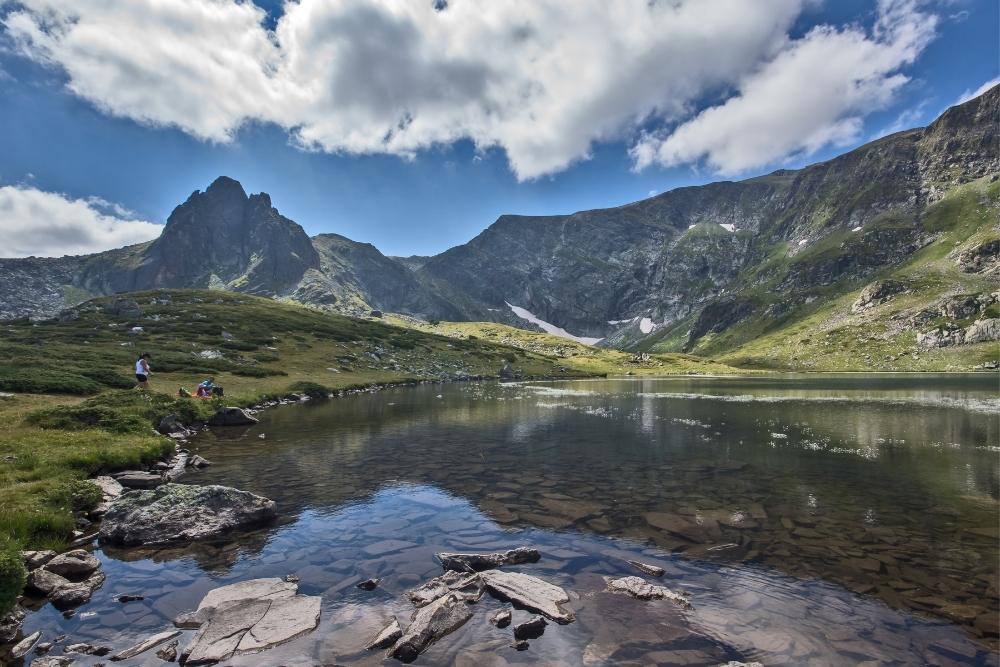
[876, 293]
[232, 417]
[181, 513]
[983, 331]
[127, 308]
[62, 592]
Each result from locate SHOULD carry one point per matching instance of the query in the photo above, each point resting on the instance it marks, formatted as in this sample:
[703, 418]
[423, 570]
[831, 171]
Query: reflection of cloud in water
[987, 405]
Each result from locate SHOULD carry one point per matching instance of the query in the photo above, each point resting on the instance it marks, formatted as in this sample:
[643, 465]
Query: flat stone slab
[137, 479]
[145, 645]
[641, 589]
[248, 616]
[531, 593]
[231, 417]
[254, 589]
[476, 562]
[286, 619]
[182, 513]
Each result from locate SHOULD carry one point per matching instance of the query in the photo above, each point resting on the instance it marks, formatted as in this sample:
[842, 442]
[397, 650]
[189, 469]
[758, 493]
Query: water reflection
[860, 527]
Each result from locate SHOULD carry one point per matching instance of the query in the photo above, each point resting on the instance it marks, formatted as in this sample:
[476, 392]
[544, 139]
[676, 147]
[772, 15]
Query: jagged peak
[226, 185]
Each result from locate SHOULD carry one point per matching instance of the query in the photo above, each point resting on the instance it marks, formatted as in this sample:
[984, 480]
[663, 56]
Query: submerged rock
[531, 593]
[385, 637]
[369, 584]
[231, 417]
[429, 624]
[488, 561]
[177, 512]
[52, 661]
[469, 587]
[145, 645]
[254, 589]
[169, 652]
[641, 589]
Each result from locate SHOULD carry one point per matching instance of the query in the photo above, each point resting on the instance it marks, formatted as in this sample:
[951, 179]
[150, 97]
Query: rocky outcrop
[878, 292]
[176, 512]
[982, 258]
[981, 331]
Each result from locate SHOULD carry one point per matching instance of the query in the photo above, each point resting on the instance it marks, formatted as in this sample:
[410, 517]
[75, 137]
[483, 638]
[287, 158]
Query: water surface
[826, 520]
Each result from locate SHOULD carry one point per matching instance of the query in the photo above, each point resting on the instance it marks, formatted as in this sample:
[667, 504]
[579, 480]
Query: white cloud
[48, 224]
[972, 94]
[813, 93]
[540, 79]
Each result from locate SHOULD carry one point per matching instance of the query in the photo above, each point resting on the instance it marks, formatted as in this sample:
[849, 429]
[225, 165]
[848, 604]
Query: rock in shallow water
[641, 589]
[468, 587]
[646, 568]
[75, 564]
[145, 645]
[429, 624]
[531, 593]
[231, 417]
[477, 562]
[385, 637]
[178, 512]
[530, 629]
[62, 592]
[247, 617]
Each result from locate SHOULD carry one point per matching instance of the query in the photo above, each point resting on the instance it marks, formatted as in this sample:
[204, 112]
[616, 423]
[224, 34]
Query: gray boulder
[983, 331]
[62, 592]
[876, 293]
[182, 513]
[231, 417]
[171, 424]
[10, 624]
[74, 565]
[138, 479]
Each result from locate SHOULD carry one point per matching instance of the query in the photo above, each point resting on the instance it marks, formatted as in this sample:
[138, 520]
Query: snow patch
[617, 322]
[728, 228]
[646, 325]
[857, 229]
[803, 241]
[525, 314]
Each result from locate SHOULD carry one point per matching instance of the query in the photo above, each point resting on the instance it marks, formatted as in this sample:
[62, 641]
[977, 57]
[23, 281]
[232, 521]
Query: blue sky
[420, 161]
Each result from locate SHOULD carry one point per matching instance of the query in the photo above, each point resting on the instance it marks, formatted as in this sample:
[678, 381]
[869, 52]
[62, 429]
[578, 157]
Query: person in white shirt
[142, 371]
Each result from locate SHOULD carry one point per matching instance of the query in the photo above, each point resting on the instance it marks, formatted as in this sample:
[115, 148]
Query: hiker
[205, 389]
[142, 371]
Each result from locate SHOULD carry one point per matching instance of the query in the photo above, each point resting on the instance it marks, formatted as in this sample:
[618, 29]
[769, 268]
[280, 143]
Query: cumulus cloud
[541, 80]
[813, 93]
[49, 224]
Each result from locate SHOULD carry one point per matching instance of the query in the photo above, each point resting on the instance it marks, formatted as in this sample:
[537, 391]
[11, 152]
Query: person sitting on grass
[142, 371]
[205, 388]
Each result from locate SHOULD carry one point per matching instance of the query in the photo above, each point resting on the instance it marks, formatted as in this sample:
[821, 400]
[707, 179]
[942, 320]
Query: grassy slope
[66, 412]
[573, 355]
[826, 336]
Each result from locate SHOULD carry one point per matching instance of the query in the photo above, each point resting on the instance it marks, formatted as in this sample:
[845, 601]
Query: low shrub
[42, 381]
[80, 495]
[310, 389]
[12, 576]
[256, 371]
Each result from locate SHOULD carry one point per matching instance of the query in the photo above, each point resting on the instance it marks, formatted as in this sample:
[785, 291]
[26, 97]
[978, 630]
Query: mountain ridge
[704, 257]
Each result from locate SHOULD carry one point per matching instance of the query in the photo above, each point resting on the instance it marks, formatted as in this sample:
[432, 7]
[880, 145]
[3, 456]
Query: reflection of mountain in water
[874, 496]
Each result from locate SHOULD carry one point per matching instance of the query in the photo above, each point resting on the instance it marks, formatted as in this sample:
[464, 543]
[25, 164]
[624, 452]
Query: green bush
[109, 378]
[256, 371]
[240, 346]
[80, 495]
[41, 381]
[310, 389]
[121, 412]
[12, 576]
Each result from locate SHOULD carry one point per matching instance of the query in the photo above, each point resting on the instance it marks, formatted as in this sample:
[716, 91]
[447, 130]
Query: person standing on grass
[142, 371]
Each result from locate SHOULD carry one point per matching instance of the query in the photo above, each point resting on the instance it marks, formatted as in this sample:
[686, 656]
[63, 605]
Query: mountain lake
[809, 519]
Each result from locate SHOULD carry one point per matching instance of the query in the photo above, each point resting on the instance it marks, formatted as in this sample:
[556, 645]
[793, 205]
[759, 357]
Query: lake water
[814, 520]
